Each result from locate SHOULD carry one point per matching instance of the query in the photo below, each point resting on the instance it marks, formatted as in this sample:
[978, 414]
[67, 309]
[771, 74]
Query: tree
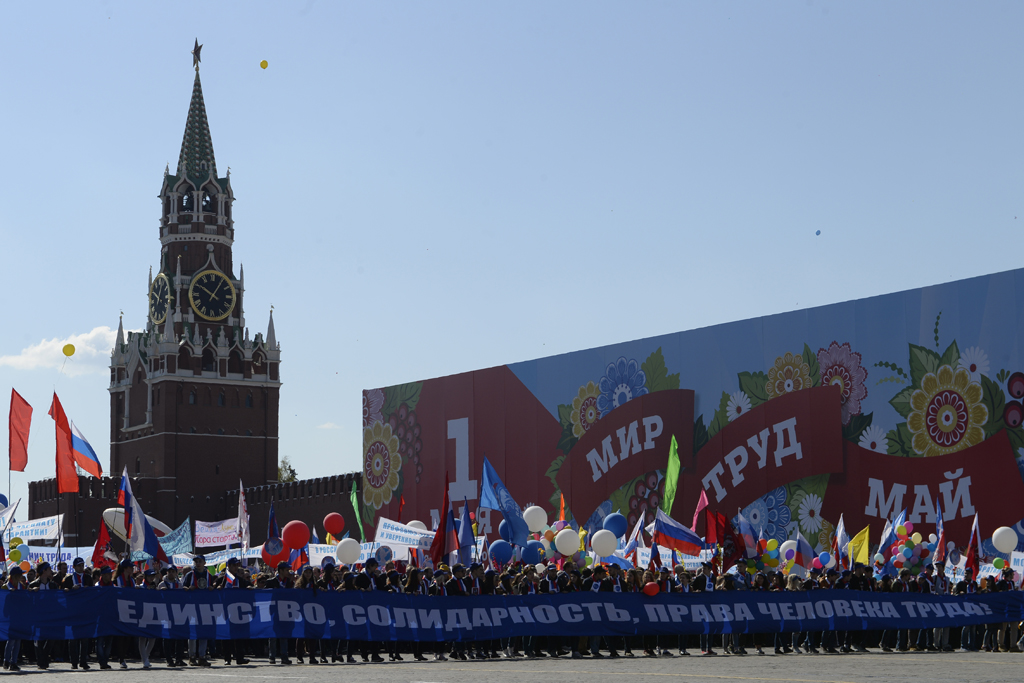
[285, 471]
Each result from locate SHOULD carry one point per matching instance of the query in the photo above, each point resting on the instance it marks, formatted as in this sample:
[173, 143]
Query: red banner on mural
[628, 442]
[983, 479]
[788, 438]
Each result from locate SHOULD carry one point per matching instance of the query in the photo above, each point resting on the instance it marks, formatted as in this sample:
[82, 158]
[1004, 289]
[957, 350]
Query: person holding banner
[279, 646]
[174, 649]
[198, 579]
[414, 585]
[78, 649]
[367, 580]
[234, 577]
[43, 583]
[330, 580]
[15, 582]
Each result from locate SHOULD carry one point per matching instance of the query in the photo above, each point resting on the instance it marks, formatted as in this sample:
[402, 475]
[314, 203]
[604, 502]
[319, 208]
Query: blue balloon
[501, 551]
[824, 558]
[3, 500]
[616, 524]
[817, 232]
[533, 552]
[505, 530]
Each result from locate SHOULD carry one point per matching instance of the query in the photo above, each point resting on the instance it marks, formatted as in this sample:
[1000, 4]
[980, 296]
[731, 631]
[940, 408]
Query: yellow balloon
[15, 555]
[69, 350]
[15, 542]
[263, 64]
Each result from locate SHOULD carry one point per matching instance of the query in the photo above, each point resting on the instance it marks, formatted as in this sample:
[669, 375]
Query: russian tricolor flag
[671, 534]
[85, 456]
[137, 528]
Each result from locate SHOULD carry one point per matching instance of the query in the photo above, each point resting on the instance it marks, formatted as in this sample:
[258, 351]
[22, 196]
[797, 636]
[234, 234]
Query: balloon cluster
[16, 557]
[910, 549]
[546, 543]
[769, 555]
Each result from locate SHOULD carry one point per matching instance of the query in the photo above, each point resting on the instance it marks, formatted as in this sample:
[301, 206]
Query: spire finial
[195, 55]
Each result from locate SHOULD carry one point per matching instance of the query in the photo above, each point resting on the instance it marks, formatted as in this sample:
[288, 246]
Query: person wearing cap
[174, 648]
[368, 580]
[439, 589]
[968, 635]
[198, 579]
[43, 582]
[123, 578]
[1006, 633]
[78, 578]
[282, 580]
[15, 582]
[330, 580]
[416, 585]
[941, 586]
[705, 583]
[146, 645]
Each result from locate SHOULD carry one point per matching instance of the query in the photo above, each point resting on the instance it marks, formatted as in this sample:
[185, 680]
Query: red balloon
[272, 560]
[295, 535]
[334, 524]
[651, 589]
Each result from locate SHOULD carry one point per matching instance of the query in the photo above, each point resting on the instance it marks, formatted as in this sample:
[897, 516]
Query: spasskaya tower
[194, 398]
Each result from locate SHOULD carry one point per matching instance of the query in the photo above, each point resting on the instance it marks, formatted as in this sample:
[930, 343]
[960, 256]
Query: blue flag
[494, 496]
[314, 539]
[466, 539]
[273, 531]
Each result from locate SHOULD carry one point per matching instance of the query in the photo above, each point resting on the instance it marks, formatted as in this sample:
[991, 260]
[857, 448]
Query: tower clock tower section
[193, 398]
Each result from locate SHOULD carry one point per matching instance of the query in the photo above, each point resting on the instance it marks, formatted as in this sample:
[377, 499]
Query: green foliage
[285, 472]
[1016, 435]
[409, 394]
[812, 364]
[700, 434]
[937, 329]
[993, 398]
[856, 427]
[951, 356]
[901, 402]
[656, 373]
[891, 378]
[892, 366]
[721, 417]
[1003, 374]
[900, 441]
[922, 361]
[567, 439]
[755, 386]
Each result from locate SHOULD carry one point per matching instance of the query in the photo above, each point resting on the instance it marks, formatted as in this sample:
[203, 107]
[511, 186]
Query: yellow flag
[859, 546]
[583, 540]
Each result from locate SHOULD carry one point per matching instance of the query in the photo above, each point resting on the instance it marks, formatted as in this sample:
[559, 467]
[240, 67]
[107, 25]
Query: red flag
[973, 548]
[67, 476]
[445, 538]
[401, 504]
[99, 559]
[20, 420]
[714, 524]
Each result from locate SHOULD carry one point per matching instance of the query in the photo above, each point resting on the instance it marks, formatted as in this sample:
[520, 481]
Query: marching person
[234, 577]
[283, 579]
[15, 582]
[941, 586]
[969, 634]
[174, 648]
[146, 644]
[198, 579]
[705, 583]
[78, 648]
[366, 580]
[123, 578]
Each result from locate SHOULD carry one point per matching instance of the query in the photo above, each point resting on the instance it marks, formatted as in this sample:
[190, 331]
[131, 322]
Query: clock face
[159, 299]
[212, 295]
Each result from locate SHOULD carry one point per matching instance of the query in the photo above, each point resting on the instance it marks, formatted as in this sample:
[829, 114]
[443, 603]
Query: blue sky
[425, 189]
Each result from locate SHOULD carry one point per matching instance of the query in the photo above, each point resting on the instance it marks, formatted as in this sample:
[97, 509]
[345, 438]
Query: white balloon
[1005, 539]
[567, 541]
[535, 518]
[417, 524]
[540, 567]
[547, 546]
[831, 562]
[604, 543]
[348, 551]
[785, 546]
[932, 538]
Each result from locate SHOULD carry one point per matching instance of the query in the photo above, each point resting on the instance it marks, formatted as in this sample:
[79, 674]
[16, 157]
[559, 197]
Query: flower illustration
[790, 373]
[373, 401]
[739, 404]
[623, 381]
[946, 412]
[873, 438]
[584, 410]
[381, 464]
[840, 366]
[825, 535]
[975, 361]
[769, 515]
[809, 513]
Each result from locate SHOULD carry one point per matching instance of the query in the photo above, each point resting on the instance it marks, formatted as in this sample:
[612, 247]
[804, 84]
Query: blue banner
[356, 615]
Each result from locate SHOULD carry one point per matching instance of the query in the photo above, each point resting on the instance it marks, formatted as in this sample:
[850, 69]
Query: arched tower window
[184, 358]
[209, 362]
[248, 400]
[192, 397]
[138, 466]
[221, 401]
[187, 201]
[235, 361]
[209, 201]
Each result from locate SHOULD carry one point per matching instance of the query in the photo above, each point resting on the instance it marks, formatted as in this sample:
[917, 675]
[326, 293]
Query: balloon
[15, 555]
[953, 557]
[997, 563]
[786, 547]
[567, 542]
[950, 545]
[907, 552]
[790, 554]
[831, 562]
[15, 542]
[901, 530]
[824, 558]
[334, 524]
[266, 557]
[348, 551]
[604, 543]
[909, 526]
[222, 566]
[546, 544]
[925, 553]
[879, 558]
[772, 544]
[25, 566]
[295, 534]
[559, 525]
[501, 552]
[549, 535]
[816, 563]
[273, 546]
[651, 589]
[69, 350]
[917, 538]
[535, 518]
[932, 538]
[616, 524]
[1005, 539]
[540, 567]
[909, 544]
[533, 552]
[417, 524]
[263, 64]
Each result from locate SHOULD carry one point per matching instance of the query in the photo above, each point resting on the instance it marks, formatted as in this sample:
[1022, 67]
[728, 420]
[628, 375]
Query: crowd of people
[474, 579]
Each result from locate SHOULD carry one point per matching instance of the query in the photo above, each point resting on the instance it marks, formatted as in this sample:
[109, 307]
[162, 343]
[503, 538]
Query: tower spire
[196, 159]
[271, 335]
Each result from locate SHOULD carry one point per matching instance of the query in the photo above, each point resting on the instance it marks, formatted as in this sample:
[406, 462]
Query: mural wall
[863, 408]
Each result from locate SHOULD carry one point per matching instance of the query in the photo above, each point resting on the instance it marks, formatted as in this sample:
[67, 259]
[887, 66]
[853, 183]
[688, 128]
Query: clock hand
[212, 295]
[217, 288]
